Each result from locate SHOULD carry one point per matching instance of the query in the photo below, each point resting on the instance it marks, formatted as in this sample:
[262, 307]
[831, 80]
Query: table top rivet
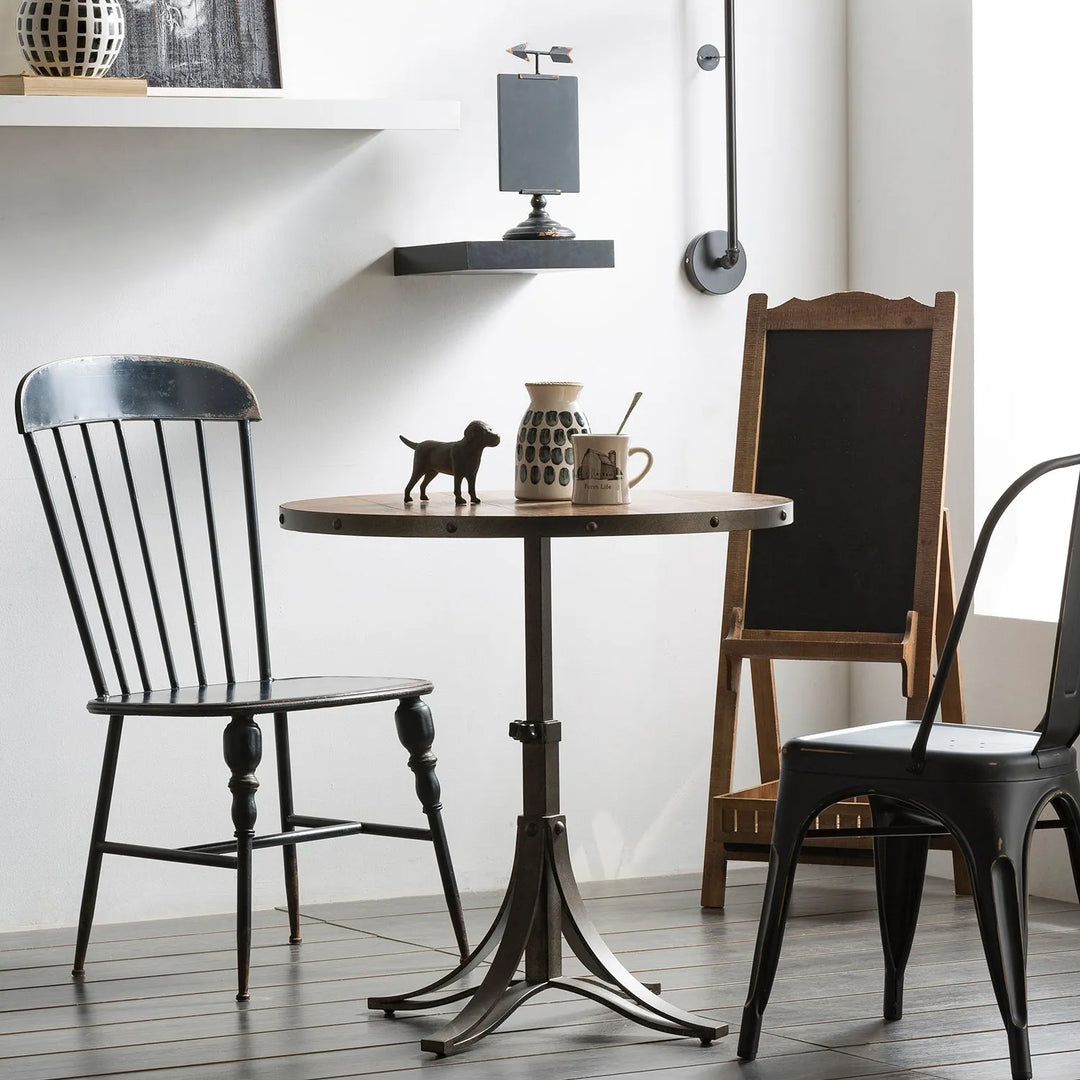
[783, 515]
[451, 527]
[591, 526]
[337, 523]
[714, 521]
[281, 519]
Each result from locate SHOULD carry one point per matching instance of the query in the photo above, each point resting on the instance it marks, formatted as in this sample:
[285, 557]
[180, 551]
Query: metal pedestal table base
[541, 906]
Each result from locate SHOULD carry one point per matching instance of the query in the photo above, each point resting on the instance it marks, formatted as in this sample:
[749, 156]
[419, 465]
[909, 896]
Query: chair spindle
[91, 562]
[148, 563]
[181, 558]
[117, 561]
[215, 553]
[251, 509]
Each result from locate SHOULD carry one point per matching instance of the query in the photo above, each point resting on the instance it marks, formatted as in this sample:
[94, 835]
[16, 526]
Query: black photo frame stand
[538, 141]
[539, 157]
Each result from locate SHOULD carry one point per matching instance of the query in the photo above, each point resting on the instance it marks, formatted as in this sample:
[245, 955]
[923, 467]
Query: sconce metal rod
[715, 261]
[729, 70]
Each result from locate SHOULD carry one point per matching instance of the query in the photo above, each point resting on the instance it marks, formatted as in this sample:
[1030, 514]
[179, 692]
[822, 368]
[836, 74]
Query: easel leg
[721, 777]
[952, 701]
[763, 682]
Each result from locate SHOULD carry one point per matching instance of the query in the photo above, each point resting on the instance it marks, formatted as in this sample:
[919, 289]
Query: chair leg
[243, 752]
[783, 861]
[416, 732]
[1067, 808]
[97, 838]
[285, 801]
[899, 870]
[998, 874]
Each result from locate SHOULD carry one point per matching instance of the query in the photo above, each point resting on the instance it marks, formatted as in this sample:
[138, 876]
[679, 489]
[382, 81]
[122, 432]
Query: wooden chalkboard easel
[844, 408]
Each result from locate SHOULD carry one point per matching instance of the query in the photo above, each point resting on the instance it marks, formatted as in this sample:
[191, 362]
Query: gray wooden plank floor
[158, 998]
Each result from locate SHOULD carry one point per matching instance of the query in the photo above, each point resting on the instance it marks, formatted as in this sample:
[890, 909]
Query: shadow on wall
[267, 252]
[199, 244]
[384, 334]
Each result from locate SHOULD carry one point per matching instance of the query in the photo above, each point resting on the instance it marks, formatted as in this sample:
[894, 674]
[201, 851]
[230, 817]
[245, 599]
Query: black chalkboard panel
[842, 432]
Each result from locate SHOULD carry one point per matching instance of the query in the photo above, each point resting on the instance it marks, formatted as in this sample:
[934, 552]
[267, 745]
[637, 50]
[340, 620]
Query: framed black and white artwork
[201, 44]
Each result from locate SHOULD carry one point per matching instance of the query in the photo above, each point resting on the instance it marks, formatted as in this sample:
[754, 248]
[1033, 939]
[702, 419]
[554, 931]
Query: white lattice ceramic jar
[543, 465]
[70, 37]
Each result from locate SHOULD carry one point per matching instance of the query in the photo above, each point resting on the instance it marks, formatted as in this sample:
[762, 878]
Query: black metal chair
[985, 786]
[103, 434]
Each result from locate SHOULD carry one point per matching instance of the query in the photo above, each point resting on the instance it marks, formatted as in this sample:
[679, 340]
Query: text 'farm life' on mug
[600, 469]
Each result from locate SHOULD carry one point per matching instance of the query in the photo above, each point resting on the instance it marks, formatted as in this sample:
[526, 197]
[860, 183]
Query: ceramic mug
[600, 469]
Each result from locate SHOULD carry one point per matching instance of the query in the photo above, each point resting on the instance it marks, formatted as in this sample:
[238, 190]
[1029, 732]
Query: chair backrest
[124, 449]
[1060, 725]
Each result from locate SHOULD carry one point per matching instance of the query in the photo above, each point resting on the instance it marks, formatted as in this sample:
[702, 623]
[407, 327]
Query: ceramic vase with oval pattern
[70, 37]
[544, 456]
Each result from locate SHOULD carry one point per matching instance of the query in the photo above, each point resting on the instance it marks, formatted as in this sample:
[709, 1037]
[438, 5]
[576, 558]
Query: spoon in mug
[637, 398]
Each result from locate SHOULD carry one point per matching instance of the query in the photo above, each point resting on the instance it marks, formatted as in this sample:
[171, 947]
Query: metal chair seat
[955, 753]
[253, 698]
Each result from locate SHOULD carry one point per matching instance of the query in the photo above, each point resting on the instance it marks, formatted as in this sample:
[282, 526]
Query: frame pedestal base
[542, 906]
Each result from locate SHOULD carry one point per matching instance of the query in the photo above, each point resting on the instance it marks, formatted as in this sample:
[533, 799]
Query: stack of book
[71, 86]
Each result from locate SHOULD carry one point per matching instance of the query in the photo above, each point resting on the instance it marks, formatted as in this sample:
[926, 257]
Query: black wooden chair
[985, 786]
[106, 435]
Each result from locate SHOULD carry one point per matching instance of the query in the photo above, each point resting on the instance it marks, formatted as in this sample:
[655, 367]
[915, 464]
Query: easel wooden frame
[740, 822]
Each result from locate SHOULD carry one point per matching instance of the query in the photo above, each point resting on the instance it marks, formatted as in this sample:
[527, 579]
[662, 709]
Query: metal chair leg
[416, 732]
[243, 752]
[899, 869]
[997, 858]
[787, 837]
[1067, 808]
[285, 801]
[97, 838]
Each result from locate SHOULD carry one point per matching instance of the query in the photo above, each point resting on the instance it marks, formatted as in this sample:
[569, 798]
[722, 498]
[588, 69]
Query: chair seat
[955, 753]
[272, 695]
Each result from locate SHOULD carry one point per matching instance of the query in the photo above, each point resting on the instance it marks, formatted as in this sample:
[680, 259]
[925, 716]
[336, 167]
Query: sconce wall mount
[714, 261]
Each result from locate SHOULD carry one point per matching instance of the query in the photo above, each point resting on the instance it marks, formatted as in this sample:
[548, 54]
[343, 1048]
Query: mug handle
[648, 465]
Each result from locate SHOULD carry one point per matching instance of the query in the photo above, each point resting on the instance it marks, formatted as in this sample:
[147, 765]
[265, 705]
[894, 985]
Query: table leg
[542, 905]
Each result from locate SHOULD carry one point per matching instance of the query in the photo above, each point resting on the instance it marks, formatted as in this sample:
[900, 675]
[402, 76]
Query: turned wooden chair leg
[243, 752]
[416, 732]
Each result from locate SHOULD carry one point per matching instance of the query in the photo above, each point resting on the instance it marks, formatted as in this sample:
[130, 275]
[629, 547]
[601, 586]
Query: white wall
[909, 101]
[1026, 275]
[269, 253]
[913, 188]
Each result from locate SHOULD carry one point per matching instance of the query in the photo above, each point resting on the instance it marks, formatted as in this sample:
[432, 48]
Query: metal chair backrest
[103, 434]
[1060, 725]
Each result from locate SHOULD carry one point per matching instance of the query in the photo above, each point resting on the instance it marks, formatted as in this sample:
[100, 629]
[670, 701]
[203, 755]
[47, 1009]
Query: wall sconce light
[715, 261]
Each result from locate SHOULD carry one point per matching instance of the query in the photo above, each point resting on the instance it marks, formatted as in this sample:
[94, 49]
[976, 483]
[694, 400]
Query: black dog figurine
[459, 459]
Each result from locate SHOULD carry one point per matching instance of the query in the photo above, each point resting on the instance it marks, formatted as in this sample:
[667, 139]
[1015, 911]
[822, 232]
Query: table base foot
[429, 997]
[541, 907]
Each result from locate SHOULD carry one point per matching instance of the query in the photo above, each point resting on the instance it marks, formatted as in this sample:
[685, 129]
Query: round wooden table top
[501, 515]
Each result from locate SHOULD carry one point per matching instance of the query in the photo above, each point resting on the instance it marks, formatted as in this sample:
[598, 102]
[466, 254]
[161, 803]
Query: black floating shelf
[504, 257]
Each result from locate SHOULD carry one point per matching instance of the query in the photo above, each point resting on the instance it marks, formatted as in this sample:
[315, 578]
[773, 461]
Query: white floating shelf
[227, 112]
